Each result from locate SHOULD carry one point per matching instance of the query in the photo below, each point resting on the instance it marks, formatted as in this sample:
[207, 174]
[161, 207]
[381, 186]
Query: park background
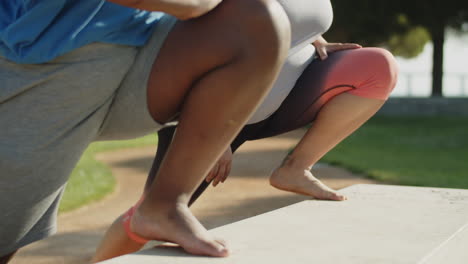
[430, 42]
[420, 147]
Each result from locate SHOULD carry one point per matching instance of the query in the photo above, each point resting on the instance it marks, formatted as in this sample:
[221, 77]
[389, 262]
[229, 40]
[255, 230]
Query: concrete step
[378, 224]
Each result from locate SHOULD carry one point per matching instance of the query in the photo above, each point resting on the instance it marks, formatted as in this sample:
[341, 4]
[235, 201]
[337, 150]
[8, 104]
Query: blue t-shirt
[37, 31]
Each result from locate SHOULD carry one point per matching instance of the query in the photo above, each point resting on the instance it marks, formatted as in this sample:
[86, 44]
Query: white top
[309, 19]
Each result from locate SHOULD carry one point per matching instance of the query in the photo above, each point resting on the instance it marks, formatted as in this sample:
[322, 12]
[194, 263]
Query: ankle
[164, 200]
[295, 163]
[161, 207]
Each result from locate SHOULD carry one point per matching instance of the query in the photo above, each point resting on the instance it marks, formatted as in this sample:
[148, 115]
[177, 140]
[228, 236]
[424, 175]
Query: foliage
[404, 27]
[409, 44]
[376, 23]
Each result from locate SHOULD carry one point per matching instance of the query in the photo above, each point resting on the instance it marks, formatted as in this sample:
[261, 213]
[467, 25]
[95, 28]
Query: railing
[414, 84]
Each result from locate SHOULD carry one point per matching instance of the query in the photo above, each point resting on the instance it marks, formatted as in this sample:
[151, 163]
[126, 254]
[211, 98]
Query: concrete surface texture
[246, 193]
[378, 224]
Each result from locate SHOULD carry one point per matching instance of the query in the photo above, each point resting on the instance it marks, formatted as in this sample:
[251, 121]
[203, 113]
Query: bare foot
[177, 224]
[302, 181]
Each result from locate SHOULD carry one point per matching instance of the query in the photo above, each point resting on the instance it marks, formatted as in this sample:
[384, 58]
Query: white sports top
[309, 20]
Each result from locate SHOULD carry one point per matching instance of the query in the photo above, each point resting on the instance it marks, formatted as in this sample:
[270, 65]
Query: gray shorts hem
[128, 115]
[45, 233]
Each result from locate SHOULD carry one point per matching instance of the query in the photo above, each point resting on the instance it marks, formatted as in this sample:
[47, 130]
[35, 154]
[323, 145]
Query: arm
[182, 9]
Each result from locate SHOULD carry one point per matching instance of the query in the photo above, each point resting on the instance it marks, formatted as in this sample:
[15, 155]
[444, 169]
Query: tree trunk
[438, 38]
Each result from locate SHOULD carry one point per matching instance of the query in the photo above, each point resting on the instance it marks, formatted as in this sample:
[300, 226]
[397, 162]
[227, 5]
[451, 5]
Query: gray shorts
[50, 113]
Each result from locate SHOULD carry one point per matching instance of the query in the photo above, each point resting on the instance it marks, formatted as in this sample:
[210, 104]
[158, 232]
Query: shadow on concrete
[248, 208]
[70, 248]
[75, 246]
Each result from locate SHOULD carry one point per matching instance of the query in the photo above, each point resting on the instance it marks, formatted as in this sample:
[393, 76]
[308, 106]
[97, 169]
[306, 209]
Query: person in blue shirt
[73, 72]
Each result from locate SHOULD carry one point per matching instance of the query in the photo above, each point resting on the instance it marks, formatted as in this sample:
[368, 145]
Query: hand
[182, 9]
[323, 47]
[221, 169]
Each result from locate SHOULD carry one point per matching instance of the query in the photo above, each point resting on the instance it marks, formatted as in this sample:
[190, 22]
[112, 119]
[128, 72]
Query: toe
[209, 248]
[339, 197]
[222, 242]
[218, 249]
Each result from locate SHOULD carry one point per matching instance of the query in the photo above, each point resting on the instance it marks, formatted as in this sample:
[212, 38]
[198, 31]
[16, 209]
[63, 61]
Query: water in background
[415, 74]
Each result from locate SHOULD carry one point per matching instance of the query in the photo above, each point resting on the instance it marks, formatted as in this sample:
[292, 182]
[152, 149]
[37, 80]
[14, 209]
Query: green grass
[430, 151]
[91, 180]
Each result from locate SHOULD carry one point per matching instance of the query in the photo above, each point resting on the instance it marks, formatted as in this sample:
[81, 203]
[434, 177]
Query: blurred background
[419, 137]
[429, 37]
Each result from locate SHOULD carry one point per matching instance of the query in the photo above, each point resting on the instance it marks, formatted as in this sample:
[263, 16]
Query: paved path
[246, 193]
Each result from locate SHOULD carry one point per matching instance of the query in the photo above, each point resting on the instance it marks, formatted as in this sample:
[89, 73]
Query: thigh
[49, 114]
[199, 48]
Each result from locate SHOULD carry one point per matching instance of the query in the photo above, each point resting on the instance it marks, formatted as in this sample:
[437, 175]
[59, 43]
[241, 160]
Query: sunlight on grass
[430, 151]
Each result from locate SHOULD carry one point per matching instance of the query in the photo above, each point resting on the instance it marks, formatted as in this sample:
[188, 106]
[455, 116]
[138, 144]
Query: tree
[437, 17]
[403, 26]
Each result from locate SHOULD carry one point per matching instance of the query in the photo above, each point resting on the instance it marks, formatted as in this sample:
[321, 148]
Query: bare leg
[337, 120]
[336, 112]
[116, 241]
[229, 63]
[291, 176]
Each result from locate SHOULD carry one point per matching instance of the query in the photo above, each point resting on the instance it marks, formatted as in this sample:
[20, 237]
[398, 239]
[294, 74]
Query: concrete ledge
[379, 224]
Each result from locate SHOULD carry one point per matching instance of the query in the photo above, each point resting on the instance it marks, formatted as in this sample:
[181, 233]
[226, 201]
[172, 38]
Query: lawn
[91, 180]
[429, 151]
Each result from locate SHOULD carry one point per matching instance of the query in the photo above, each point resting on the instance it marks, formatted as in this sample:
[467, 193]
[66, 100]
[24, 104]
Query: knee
[385, 65]
[264, 27]
[383, 70]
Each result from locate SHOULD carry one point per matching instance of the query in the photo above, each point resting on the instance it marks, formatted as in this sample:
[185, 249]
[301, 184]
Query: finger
[215, 174]
[322, 52]
[219, 177]
[210, 175]
[228, 170]
[350, 46]
[343, 46]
